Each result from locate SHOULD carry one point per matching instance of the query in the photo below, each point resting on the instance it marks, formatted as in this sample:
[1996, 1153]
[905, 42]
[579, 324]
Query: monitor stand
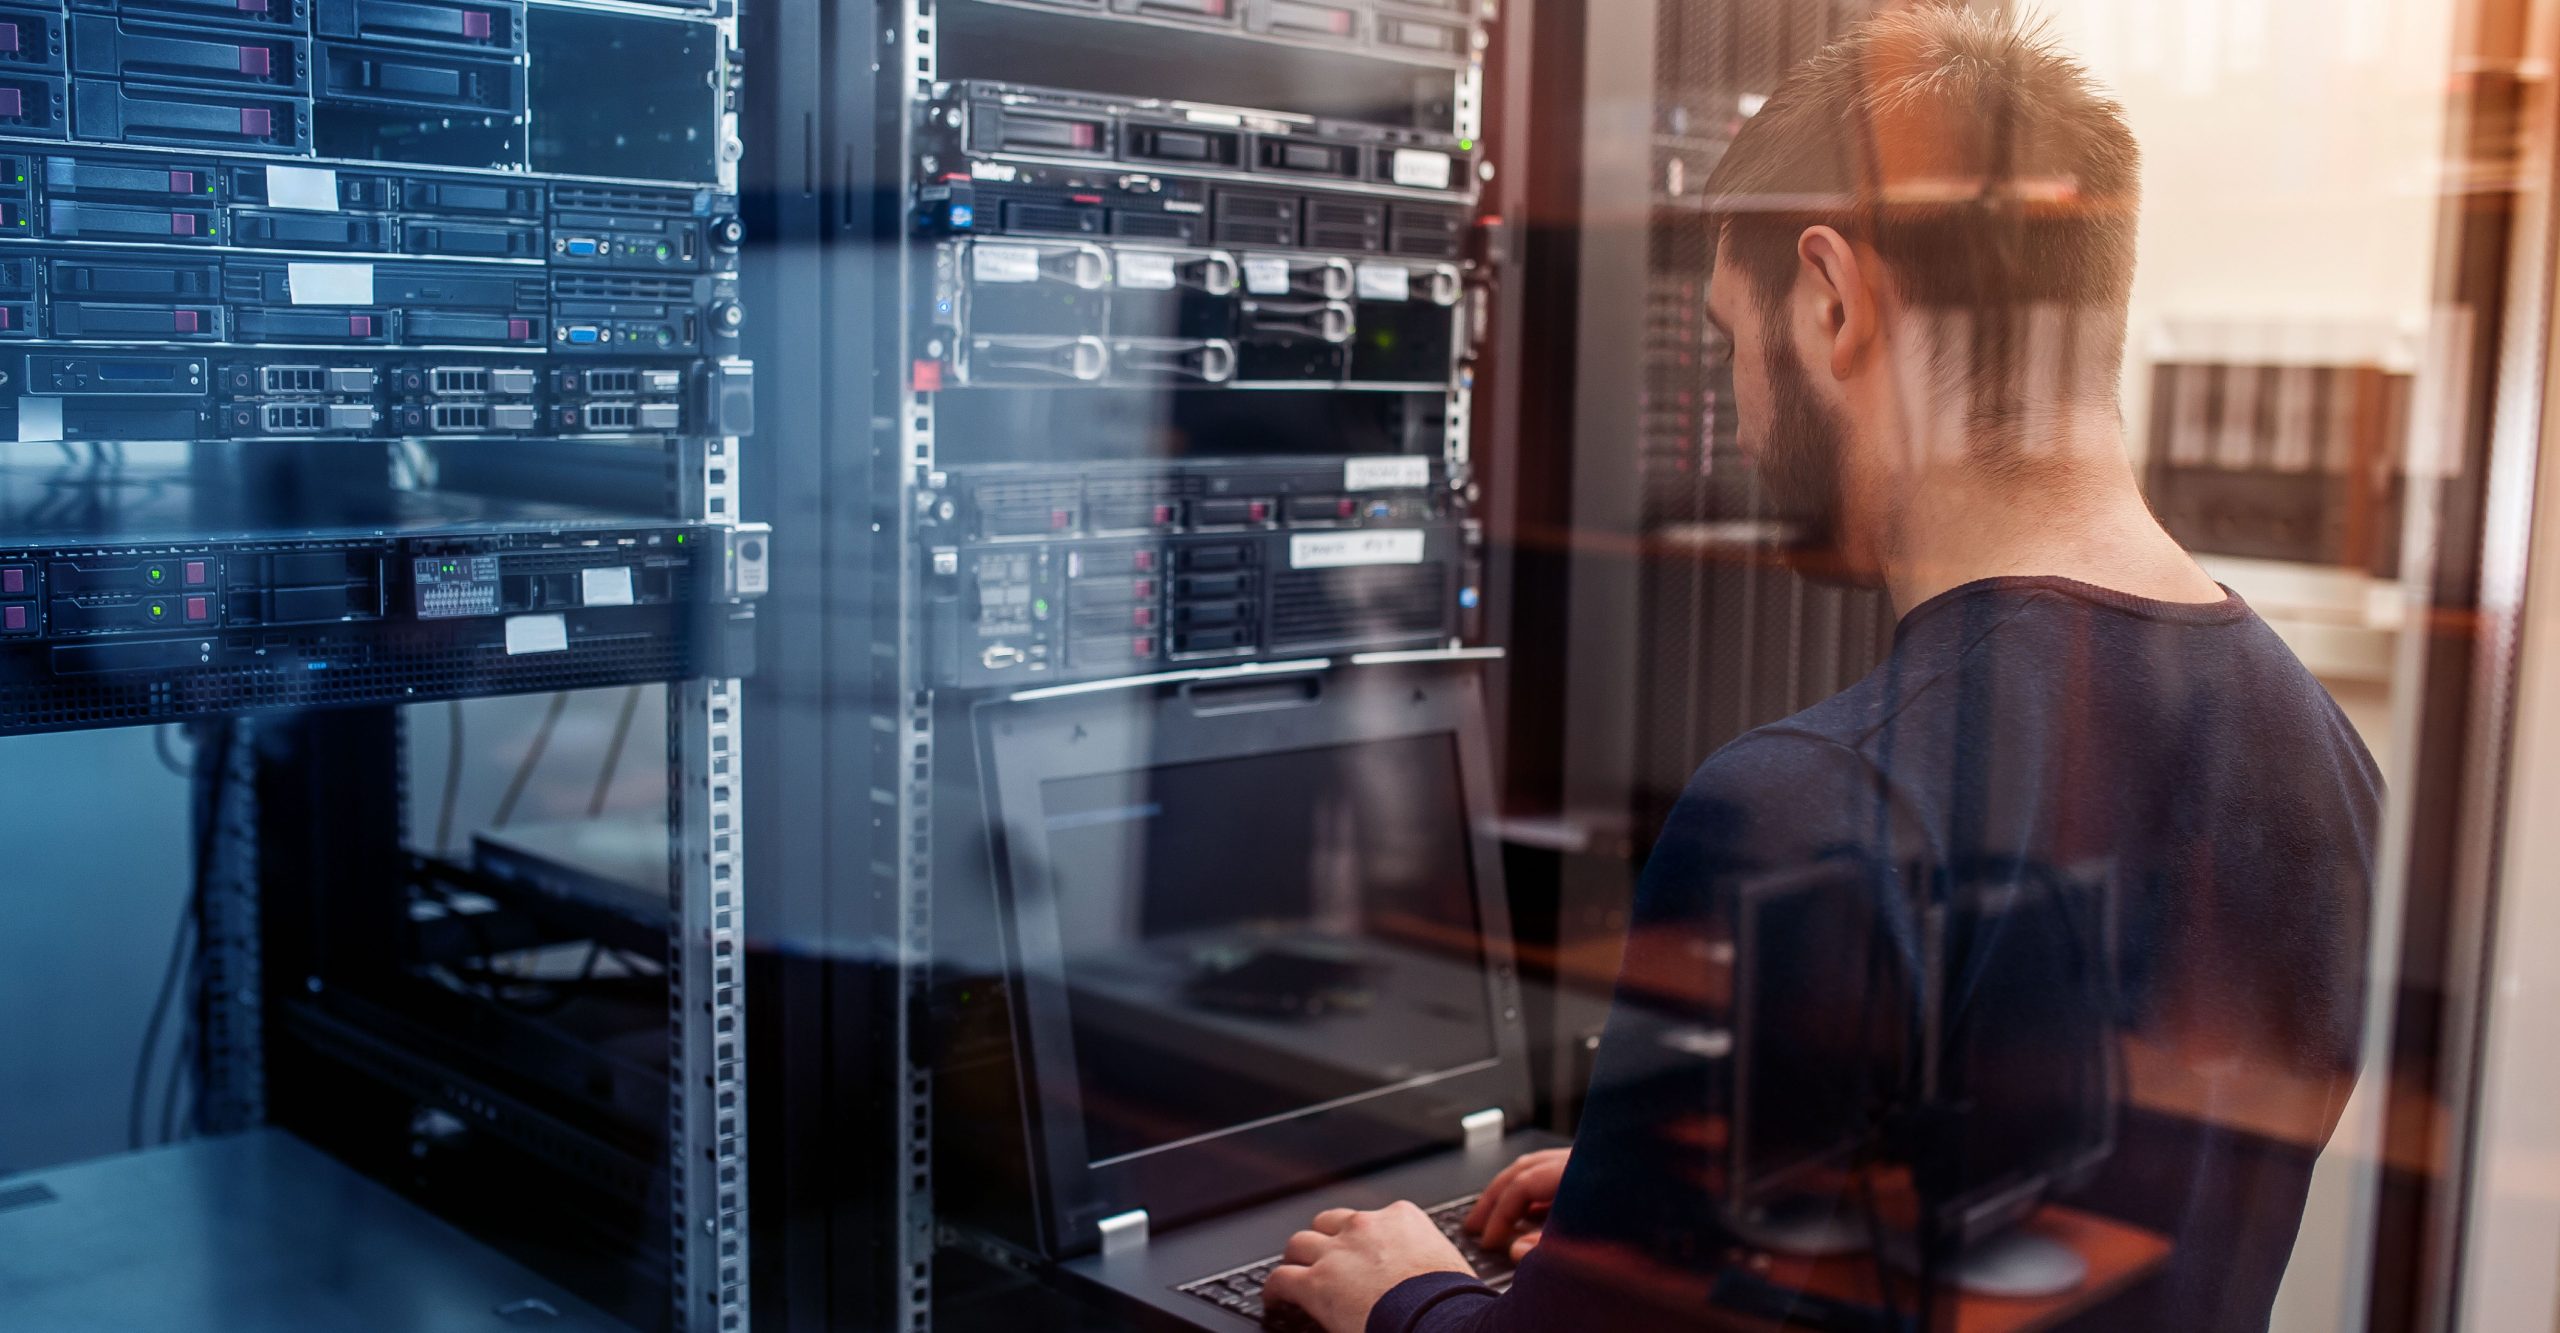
[2015, 1264]
[1808, 1226]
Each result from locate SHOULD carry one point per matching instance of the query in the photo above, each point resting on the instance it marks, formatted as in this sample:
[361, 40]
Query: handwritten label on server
[311, 189]
[605, 587]
[1403, 472]
[1385, 282]
[1428, 171]
[1333, 550]
[1266, 275]
[537, 634]
[1004, 263]
[1146, 272]
[329, 284]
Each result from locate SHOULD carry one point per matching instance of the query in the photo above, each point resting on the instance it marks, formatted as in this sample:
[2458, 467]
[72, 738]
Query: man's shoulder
[1781, 768]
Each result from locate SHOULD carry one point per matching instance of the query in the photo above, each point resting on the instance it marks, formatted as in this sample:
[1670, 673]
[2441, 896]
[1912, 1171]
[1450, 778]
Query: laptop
[1257, 938]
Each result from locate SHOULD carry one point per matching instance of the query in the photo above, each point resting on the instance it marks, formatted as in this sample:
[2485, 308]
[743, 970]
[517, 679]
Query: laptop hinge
[1483, 1129]
[1122, 1232]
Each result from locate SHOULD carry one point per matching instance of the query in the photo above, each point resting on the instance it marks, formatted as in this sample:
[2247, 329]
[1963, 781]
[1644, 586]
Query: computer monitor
[2026, 1059]
[1961, 1026]
[1259, 938]
[1820, 1011]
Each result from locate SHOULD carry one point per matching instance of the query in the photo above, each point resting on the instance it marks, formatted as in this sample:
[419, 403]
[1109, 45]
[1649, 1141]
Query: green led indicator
[662, 252]
[679, 539]
[157, 610]
[156, 574]
[1039, 606]
[1466, 145]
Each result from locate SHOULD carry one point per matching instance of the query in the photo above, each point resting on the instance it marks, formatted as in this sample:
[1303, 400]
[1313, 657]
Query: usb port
[290, 379]
[609, 416]
[458, 417]
[292, 418]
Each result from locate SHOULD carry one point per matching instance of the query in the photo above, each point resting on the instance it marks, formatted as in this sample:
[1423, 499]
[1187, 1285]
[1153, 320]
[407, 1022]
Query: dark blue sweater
[2018, 722]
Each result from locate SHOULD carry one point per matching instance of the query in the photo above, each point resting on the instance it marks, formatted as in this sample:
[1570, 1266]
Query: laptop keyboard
[1240, 1289]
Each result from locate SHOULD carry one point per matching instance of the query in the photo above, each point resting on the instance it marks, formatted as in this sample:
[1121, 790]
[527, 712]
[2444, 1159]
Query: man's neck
[2082, 518]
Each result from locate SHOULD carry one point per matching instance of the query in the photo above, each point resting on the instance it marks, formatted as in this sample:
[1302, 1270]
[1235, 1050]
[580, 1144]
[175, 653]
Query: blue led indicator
[1467, 598]
[963, 217]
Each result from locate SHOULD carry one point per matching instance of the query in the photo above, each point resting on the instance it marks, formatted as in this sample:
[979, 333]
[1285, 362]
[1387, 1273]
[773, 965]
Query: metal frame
[231, 1061]
[706, 1130]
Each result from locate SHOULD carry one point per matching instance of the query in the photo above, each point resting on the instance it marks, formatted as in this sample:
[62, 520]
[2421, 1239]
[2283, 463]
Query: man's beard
[1800, 468]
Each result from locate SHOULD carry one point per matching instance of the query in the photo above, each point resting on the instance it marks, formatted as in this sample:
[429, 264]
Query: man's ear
[1832, 282]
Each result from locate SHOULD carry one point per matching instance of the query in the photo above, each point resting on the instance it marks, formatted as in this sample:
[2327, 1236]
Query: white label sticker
[329, 284]
[1429, 171]
[542, 634]
[1385, 282]
[311, 189]
[1147, 272]
[1332, 550]
[1402, 472]
[606, 587]
[1004, 263]
[1266, 275]
[39, 420]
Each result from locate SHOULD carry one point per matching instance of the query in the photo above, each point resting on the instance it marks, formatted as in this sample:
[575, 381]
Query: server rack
[989, 454]
[1687, 630]
[392, 354]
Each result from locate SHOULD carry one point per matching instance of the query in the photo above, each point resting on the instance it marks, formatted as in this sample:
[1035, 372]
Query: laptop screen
[1245, 939]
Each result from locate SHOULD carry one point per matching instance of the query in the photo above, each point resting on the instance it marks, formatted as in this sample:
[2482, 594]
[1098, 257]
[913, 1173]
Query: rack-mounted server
[103, 632]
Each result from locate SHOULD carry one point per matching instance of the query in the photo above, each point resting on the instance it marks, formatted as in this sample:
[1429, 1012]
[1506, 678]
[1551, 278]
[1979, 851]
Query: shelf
[258, 1230]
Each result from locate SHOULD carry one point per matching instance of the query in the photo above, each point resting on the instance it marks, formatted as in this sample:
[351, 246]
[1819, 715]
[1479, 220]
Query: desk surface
[253, 1231]
[2118, 1255]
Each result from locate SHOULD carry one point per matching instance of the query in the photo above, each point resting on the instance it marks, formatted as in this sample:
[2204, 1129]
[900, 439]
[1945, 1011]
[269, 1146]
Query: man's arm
[1632, 1235]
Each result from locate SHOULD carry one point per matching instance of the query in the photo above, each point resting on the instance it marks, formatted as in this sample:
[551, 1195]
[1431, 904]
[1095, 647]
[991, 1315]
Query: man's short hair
[1987, 168]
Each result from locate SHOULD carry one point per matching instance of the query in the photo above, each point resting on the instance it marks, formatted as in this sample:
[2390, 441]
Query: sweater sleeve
[1634, 1224]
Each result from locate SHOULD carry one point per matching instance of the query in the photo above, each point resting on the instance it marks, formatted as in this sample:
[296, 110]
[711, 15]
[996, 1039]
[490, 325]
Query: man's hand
[1340, 1268]
[1503, 1214]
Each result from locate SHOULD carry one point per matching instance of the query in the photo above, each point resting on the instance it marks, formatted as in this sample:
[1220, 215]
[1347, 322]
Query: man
[1923, 270]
